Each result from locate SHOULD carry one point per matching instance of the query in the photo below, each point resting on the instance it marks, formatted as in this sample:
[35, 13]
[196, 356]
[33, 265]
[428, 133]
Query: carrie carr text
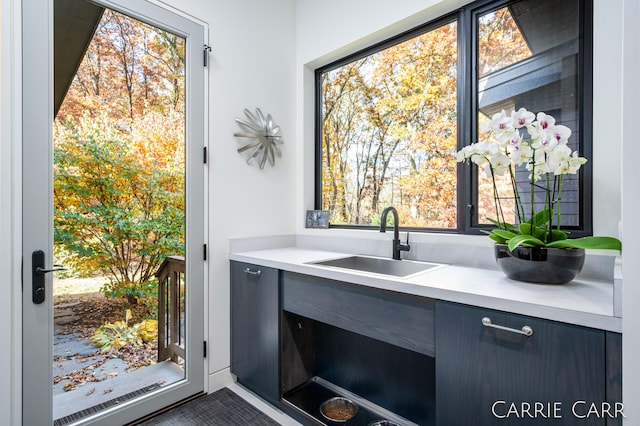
[556, 410]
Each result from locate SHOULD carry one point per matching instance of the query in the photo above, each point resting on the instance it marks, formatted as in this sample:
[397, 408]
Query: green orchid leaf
[503, 225]
[528, 240]
[527, 229]
[541, 218]
[506, 235]
[593, 243]
[540, 233]
[511, 228]
[497, 239]
[557, 235]
[495, 222]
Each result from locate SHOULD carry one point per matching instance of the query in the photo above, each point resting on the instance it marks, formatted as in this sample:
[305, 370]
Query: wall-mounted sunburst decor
[265, 137]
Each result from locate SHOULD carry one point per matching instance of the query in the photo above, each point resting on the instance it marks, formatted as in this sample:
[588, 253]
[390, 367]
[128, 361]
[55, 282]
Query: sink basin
[378, 265]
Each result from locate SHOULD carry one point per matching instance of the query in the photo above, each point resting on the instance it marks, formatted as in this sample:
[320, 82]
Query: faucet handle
[405, 246]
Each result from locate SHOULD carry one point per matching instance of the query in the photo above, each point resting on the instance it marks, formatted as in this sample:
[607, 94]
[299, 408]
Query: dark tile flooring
[221, 408]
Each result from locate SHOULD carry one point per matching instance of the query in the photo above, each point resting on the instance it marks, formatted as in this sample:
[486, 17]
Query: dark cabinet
[534, 371]
[255, 312]
[490, 367]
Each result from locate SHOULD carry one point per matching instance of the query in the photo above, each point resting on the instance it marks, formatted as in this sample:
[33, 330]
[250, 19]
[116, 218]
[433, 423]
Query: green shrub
[134, 292]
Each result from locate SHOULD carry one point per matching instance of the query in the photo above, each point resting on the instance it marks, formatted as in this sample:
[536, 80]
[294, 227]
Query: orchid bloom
[501, 124]
[521, 154]
[575, 162]
[557, 158]
[546, 151]
[499, 163]
[560, 133]
[545, 121]
[571, 165]
[522, 118]
[537, 164]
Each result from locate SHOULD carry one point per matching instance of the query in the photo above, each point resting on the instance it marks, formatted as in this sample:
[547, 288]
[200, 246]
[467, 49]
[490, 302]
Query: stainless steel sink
[378, 265]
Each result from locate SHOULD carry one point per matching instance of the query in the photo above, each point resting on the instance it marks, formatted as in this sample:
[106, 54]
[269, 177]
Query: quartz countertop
[582, 302]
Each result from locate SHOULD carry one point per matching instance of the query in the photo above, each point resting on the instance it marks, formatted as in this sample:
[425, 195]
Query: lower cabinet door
[496, 368]
[255, 329]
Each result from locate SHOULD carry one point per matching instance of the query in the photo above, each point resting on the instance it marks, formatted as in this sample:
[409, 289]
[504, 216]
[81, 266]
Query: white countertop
[583, 302]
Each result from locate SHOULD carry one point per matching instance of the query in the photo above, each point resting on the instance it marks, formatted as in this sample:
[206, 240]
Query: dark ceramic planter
[539, 264]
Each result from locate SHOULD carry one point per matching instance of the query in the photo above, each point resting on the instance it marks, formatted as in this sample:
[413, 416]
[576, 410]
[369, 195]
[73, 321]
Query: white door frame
[37, 211]
[10, 213]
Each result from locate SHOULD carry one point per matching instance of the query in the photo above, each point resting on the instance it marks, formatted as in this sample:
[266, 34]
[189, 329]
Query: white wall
[251, 66]
[630, 209]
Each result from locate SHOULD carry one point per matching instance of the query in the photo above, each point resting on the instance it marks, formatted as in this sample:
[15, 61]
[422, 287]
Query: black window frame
[467, 113]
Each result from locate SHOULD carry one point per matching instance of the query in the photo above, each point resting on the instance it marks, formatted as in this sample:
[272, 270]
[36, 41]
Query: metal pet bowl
[383, 423]
[338, 409]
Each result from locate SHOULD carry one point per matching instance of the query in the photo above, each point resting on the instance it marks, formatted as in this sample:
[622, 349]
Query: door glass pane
[528, 57]
[119, 209]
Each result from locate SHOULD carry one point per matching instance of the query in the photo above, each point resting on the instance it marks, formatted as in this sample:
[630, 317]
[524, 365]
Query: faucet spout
[397, 245]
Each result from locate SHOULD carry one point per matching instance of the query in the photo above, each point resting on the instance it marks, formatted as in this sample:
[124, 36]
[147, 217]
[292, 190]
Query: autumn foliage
[390, 126]
[119, 168]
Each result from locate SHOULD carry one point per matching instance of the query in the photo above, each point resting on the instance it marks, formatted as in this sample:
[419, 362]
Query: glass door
[113, 211]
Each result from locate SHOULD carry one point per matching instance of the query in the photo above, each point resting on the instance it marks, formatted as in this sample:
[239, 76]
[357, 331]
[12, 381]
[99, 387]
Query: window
[390, 118]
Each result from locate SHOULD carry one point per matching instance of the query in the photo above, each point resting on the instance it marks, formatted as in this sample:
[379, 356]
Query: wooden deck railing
[171, 309]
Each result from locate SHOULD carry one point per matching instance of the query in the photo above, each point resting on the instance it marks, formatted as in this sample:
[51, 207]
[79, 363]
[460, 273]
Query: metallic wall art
[265, 137]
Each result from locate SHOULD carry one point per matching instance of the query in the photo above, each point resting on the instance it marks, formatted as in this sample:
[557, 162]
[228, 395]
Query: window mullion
[466, 102]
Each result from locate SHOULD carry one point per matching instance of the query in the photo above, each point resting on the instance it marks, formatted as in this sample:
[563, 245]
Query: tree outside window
[391, 117]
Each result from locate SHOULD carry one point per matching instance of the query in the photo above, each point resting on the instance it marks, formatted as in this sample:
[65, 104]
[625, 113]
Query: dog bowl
[338, 409]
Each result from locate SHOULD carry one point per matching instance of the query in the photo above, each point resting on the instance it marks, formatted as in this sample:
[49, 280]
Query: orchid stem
[516, 193]
[559, 200]
[547, 206]
[532, 189]
[496, 200]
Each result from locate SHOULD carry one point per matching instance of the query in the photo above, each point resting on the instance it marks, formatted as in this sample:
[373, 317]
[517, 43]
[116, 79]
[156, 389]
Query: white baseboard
[220, 379]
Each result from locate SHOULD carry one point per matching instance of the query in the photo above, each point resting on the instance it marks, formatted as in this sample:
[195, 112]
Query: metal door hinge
[204, 349]
[204, 153]
[205, 54]
[204, 252]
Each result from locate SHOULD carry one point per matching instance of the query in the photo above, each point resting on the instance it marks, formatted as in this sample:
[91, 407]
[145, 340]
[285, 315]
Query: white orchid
[560, 133]
[574, 163]
[545, 121]
[498, 164]
[521, 153]
[522, 118]
[501, 124]
[558, 157]
[465, 153]
[544, 154]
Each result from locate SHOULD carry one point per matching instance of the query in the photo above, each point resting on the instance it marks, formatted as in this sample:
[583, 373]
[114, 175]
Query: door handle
[40, 270]
[37, 276]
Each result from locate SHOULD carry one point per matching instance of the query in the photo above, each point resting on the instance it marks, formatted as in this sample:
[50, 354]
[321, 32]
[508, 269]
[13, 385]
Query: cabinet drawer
[402, 320]
[478, 366]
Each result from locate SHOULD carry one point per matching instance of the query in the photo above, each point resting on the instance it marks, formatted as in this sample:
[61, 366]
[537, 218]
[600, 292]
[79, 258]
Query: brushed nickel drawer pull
[250, 272]
[526, 330]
